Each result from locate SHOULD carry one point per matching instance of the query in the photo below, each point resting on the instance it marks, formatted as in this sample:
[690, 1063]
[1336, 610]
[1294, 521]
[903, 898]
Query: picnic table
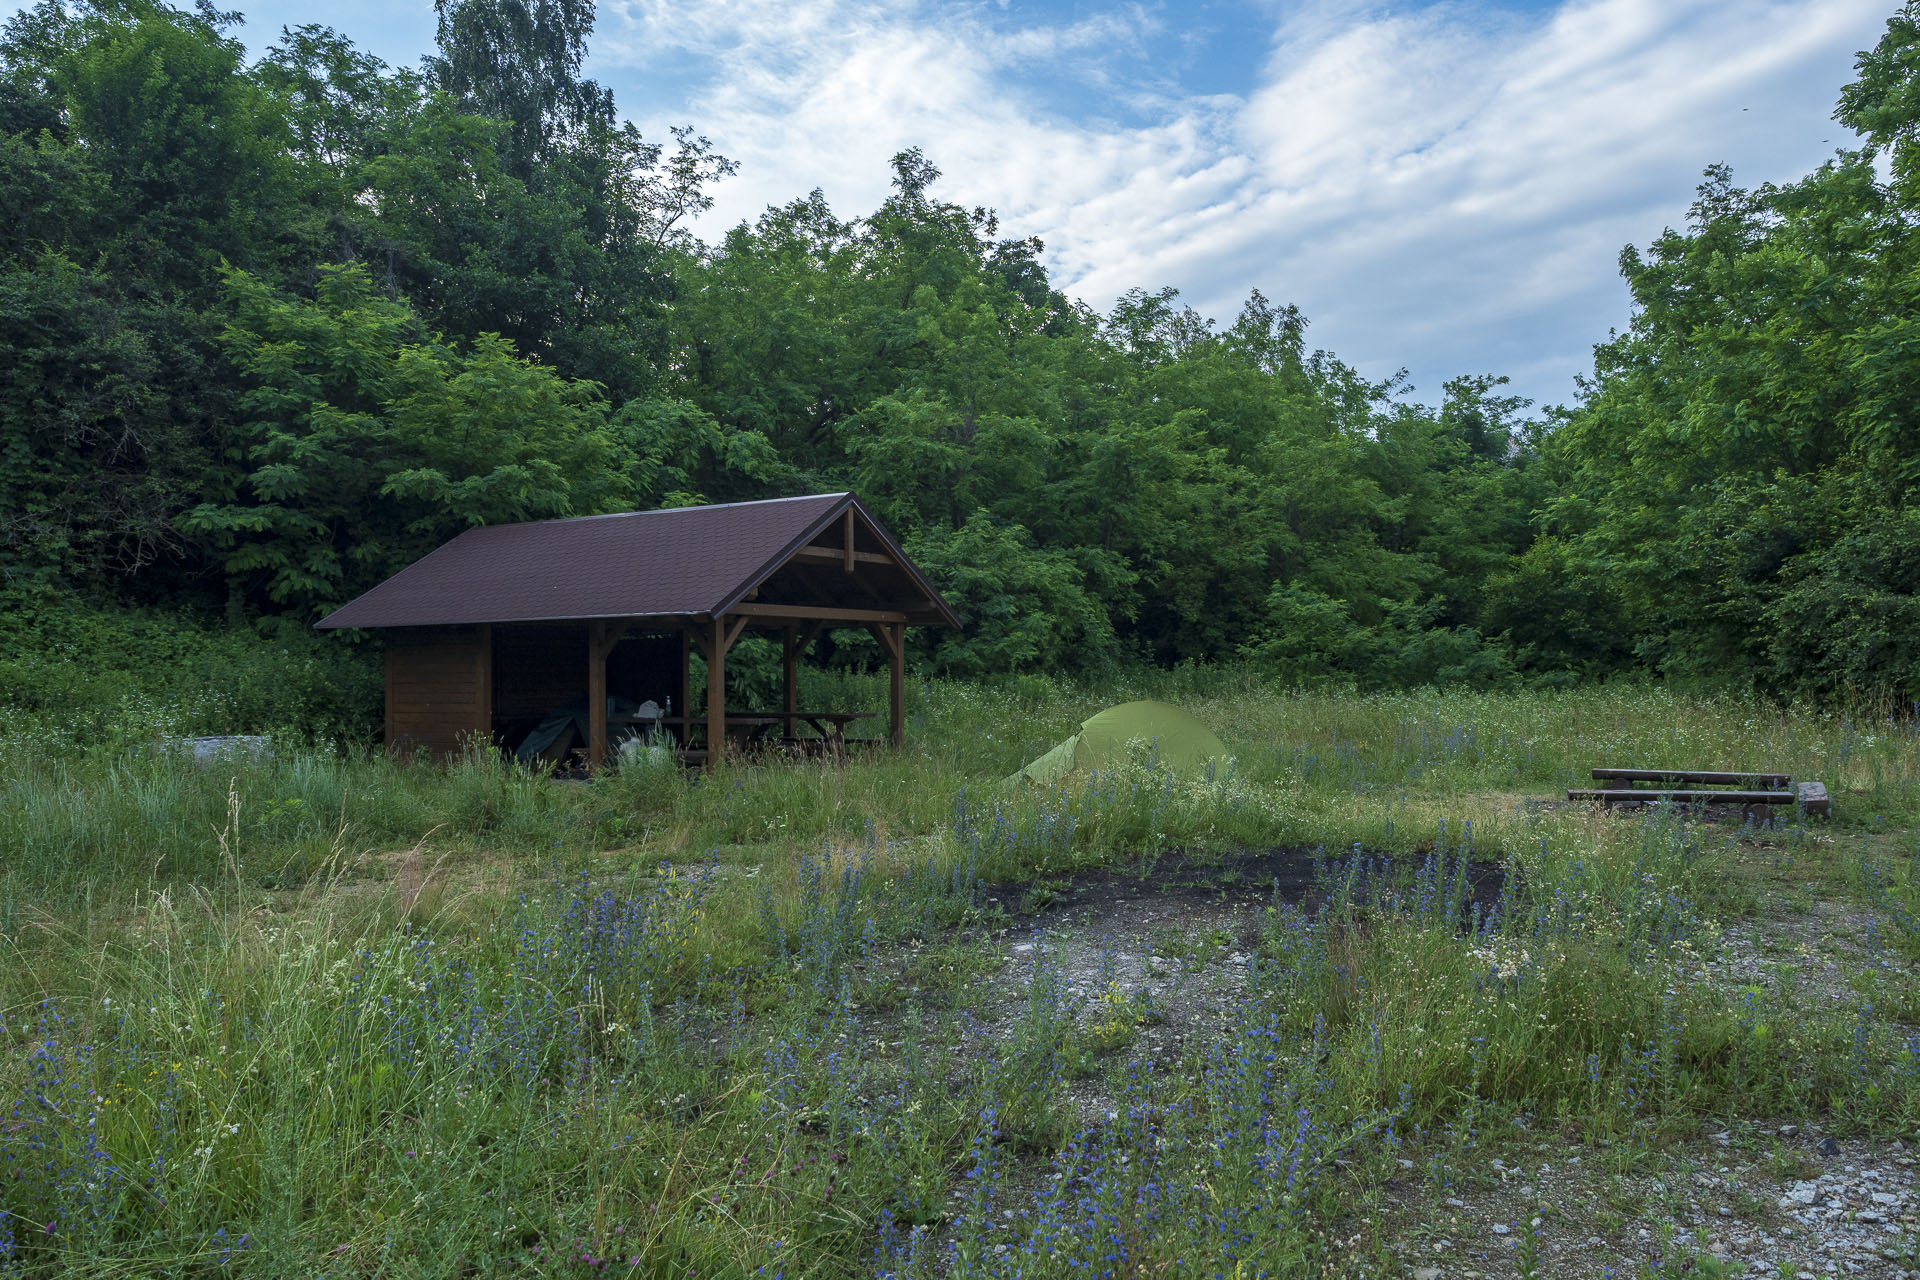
[1761, 790]
[748, 727]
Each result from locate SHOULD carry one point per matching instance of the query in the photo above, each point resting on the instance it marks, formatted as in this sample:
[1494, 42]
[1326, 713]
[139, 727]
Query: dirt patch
[1152, 960]
[1252, 877]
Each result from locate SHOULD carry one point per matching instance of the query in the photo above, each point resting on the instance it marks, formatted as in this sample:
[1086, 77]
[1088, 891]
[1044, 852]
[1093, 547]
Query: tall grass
[625, 1071]
[1312, 768]
[321, 1013]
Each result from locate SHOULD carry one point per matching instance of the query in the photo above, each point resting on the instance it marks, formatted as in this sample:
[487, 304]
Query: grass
[325, 1014]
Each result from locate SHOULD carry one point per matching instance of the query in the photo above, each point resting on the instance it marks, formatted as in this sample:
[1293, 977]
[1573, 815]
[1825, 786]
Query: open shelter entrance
[591, 624]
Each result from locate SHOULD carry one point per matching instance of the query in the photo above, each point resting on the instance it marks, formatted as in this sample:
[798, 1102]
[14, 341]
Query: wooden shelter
[504, 623]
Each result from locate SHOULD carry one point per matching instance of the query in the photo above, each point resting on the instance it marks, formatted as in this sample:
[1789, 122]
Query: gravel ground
[1760, 1198]
[1764, 1201]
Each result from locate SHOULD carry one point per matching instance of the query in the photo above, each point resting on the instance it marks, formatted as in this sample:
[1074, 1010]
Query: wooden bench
[1757, 790]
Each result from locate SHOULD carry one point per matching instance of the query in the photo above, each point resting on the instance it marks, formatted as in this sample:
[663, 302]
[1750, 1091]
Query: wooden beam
[596, 695]
[392, 735]
[789, 681]
[893, 643]
[1650, 795]
[838, 555]
[1764, 779]
[717, 693]
[811, 612]
[800, 638]
[897, 684]
[611, 634]
[704, 637]
[686, 684]
[846, 532]
[483, 709]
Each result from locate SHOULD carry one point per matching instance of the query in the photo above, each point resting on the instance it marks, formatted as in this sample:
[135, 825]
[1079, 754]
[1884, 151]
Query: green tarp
[1177, 740]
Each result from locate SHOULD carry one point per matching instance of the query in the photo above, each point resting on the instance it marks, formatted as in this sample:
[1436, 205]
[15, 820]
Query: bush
[89, 674]
[1848, 626]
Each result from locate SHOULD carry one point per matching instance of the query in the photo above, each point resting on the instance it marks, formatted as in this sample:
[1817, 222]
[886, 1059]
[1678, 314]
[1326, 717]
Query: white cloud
[1445, 188]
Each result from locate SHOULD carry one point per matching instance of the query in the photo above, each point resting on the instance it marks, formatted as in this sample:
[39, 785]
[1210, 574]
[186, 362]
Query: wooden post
[596, 696]
[686, 686]
[847, 532]
[897, 684]
[483, 712]
[717, 694]
[789, 683]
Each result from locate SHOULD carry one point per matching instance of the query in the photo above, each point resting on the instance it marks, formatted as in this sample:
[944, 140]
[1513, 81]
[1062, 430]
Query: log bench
[1752, 791]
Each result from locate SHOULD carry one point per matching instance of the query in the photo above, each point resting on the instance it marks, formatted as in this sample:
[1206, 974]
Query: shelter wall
[439, 688]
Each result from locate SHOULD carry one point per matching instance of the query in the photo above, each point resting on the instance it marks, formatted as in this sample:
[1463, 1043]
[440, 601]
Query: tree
[1764, 387]
[370, 440]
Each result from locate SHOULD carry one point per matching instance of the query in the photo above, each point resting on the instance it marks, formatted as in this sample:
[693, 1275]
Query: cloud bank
[1445, 188]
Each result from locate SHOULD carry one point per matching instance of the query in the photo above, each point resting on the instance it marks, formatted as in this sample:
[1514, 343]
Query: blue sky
[1440, 186]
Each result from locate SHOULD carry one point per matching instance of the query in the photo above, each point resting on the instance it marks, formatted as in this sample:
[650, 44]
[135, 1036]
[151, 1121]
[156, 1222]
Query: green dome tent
[1179, 742]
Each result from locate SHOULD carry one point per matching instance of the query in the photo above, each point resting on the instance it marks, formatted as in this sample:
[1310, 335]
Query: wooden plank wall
[439, 688]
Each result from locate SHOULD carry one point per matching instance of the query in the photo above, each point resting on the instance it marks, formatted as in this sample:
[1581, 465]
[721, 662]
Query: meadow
[327, 1014]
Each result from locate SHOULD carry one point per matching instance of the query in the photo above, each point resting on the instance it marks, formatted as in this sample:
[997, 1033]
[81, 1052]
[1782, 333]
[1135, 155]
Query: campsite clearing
[1350, 1007]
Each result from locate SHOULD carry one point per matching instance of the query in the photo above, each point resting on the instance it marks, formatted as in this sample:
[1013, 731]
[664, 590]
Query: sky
[1443, 188]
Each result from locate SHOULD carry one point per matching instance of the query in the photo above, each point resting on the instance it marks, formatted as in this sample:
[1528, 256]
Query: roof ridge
[666, 511]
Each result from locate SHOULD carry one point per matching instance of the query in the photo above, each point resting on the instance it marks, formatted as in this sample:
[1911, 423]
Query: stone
[232, 746]
[1828, 1147]
[1789, 1130]
[1501, 1229]
[1426, 1273]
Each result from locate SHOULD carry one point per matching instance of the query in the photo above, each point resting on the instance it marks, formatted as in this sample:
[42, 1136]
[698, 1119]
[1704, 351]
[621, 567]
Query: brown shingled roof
[684, 561]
